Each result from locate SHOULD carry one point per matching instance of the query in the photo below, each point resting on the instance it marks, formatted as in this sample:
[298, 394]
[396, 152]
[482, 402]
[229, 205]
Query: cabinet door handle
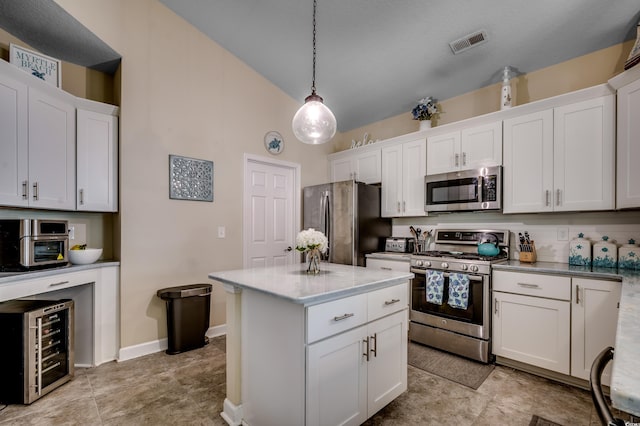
[81, 196]
[366, 351]
[525, 285]
[464, 158]
[35, 191]
[375, 345]
[398, 206]
[25, 185]
[577, 294]
[546, 197]
[557, 197]
[392, 301]
[457, 160]
[343, 317]
[495, 306]
[404, 206]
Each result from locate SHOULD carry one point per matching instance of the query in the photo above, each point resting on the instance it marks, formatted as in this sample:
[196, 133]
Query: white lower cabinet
[353, 375]
[559, 323]
[594, 319]
[532, 330]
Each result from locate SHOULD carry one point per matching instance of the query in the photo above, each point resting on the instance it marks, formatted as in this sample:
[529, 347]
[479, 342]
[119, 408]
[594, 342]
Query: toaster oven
[29, 244]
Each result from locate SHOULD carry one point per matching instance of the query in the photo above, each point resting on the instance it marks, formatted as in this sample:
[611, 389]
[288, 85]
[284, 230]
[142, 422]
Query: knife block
[528, 252]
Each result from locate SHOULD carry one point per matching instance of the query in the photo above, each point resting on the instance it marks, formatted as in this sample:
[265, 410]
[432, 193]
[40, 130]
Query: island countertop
[292, 282]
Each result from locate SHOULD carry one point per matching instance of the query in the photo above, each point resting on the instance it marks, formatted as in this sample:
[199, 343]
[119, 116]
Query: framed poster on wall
[41, 66]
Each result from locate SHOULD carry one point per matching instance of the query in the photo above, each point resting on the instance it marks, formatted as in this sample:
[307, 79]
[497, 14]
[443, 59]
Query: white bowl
[84, 257]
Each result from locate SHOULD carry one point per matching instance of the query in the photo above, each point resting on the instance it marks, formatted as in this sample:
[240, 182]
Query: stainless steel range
[451, 292]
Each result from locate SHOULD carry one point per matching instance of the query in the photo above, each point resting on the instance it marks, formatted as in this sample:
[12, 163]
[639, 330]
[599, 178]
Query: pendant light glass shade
[314, 123]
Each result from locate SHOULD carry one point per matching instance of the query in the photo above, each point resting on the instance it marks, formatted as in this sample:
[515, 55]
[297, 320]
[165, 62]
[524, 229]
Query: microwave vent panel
[467, 42]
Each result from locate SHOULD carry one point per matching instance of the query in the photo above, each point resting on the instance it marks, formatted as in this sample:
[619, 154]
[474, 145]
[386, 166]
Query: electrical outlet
[221, 232]
[72, 233]
[563, 234]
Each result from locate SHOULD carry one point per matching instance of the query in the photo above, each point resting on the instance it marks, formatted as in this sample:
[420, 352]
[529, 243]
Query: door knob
[288, 248]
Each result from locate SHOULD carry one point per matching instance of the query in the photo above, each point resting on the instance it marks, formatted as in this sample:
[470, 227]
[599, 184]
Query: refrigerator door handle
[326, 219]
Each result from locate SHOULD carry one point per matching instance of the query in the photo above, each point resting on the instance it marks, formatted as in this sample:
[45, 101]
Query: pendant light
[314, 123]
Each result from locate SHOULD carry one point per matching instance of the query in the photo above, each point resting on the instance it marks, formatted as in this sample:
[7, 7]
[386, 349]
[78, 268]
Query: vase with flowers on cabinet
[424, 112]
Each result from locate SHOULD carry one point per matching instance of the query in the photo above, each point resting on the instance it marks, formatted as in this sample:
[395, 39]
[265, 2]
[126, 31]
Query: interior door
[271, 212]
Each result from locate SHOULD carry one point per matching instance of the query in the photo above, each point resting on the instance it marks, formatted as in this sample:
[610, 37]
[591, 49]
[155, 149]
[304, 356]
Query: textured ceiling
[51, 30]
[377, 58]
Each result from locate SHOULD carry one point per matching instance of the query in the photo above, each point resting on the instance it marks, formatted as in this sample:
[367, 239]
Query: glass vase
[313, 261]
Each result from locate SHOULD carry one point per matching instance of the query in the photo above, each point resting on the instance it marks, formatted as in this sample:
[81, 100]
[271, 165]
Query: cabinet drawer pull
[343, 317]
[375, 345]
[58, 284]
[386, 268]
[525, 285]
[366, 351]
[391, 302]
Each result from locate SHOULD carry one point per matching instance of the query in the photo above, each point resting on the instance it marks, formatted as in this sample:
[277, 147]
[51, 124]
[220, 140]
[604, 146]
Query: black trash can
[188, 309]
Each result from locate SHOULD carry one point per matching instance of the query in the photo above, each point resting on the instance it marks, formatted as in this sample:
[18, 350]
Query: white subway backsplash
[552, 233]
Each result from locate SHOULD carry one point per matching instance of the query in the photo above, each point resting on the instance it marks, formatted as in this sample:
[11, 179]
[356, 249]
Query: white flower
[311, 239]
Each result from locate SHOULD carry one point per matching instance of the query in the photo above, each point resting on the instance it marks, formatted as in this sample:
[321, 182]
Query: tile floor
[189, 388]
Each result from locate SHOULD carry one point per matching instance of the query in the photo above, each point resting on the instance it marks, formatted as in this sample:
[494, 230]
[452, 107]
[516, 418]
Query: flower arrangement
[311, 239]
[425, 109]
[312, 243]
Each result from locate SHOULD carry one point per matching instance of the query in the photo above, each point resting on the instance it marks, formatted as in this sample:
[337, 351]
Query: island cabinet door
[337, 379]
[387, 369]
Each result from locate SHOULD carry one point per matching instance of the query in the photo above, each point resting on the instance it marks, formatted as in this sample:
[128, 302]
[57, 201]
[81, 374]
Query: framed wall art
[190, 179]
[38, 65]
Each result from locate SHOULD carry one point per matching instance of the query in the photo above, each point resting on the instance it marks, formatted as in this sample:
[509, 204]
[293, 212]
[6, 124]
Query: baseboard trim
[148, 348]
[232, 414]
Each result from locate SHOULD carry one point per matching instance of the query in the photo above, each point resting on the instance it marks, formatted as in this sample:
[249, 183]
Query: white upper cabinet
[469, 148]
[52, 152]
[37, 150]
[97, 161]
[628, 134]
[360, 165]
[403, 171]
[14, 160]
[561, 159]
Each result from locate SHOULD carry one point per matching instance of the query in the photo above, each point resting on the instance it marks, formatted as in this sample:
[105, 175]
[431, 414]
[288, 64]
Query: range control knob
[474, 268]
[445, 265]
[418, 262]
[464, 267]
[427, 263]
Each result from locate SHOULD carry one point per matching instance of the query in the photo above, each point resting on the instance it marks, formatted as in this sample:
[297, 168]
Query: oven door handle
[480, 185]
[446, 274]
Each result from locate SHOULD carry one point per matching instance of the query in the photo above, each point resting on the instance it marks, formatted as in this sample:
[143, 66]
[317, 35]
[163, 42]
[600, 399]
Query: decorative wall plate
[273, 142]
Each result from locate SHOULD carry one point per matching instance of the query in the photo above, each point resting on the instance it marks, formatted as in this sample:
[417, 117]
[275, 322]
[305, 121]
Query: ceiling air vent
[468, 41]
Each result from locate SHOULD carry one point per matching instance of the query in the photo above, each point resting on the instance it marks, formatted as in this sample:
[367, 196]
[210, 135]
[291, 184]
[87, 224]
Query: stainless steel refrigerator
[348, 213]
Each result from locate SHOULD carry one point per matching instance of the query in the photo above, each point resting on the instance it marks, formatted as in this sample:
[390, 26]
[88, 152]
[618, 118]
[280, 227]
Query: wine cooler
[37, 348]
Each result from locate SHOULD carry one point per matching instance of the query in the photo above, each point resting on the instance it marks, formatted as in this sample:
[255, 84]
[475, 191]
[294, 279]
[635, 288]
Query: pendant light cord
[313, 83]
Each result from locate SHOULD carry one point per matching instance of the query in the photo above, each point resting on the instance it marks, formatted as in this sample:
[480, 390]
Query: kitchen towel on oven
[435, 286]
[458, 290]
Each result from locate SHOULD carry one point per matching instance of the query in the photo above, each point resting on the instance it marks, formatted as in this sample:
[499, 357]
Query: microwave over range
[467, 190]
[30, 244]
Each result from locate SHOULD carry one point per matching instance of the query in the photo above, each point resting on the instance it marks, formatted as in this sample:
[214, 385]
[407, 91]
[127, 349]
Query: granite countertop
[292, 282]
[6, 277]
[625, 380]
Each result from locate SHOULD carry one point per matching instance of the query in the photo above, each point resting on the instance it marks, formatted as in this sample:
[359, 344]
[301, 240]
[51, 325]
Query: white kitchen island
[317, 349]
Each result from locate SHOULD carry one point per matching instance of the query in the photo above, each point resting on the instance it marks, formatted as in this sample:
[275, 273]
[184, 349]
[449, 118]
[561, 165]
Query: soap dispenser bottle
[629, 256]
[605, 254]
[506, 100]
[580, 251]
